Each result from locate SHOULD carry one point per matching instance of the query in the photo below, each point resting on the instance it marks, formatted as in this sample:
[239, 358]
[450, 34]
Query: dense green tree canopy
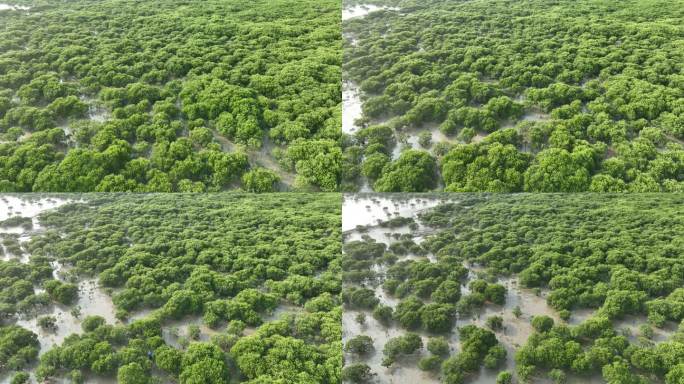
[170, 96]
[18, 347]
[261, 274]
[592, 92]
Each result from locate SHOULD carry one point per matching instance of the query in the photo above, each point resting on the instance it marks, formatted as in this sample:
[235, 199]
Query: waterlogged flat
[361, 10]
[28, 205]
[24, 206]
[351, 107]
[369, 209]
[12, 7]
[411, 139]
[92, 301]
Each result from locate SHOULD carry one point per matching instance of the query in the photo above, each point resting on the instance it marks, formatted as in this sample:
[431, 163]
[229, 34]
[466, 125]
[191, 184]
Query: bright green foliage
[495, 323]
[619, 373]
[374, 164]
[430, 363]
[21, 378]
[132, 373]
[492, 168]
[357, 373]
[495, 293]
[18, 347]
[438, 346]
[675, 375]
[504, 378]
[592, 90]
[413, 171]
[168, 96]
[414, 281]
[542, 323]
[272, 353]
[383, 314]
[203, 363]
[318, 162]
[437, 318]
[260, 180]
[401, 345]
[168, 359]
[230, 259]
[64, 293]
[92, 323]
[616, 257]
[18, 281]
[478, 346]
[447, 292]
[361, 344]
